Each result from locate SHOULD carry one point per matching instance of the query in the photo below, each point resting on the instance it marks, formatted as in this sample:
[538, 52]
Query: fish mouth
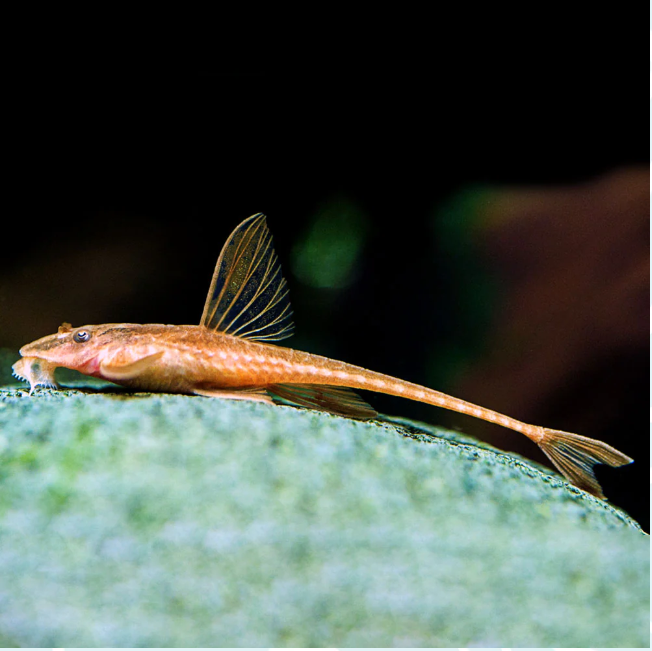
[36, 371]
[19, 371]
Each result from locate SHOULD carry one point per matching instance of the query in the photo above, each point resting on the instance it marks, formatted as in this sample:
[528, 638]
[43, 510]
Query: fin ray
[248, 296]
[335, 400]
[575, 455]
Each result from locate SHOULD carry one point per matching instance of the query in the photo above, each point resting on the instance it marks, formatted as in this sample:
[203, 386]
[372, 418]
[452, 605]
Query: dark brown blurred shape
[574, 264]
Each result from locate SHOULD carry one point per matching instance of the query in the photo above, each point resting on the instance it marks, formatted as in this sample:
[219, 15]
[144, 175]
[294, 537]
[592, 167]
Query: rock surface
[138, 520]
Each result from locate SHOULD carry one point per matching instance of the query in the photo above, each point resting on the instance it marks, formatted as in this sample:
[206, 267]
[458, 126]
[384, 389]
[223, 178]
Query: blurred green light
[326, 256]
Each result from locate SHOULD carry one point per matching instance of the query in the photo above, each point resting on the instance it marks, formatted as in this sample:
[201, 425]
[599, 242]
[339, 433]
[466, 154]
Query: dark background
[119, 194]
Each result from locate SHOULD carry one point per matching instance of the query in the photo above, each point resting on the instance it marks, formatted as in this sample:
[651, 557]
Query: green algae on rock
[167, 520]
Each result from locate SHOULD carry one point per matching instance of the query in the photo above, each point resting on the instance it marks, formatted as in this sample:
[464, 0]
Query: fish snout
[26, 351]
[45, 347]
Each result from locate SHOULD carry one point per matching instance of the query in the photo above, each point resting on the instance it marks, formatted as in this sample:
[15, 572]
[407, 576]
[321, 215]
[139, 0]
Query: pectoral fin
[115, 370]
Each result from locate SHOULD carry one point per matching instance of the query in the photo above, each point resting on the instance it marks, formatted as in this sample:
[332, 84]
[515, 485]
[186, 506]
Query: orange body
[228, 356]
[193, 359]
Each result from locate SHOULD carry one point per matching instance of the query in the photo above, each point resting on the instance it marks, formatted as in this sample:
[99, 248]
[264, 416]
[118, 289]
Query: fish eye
[81, 336]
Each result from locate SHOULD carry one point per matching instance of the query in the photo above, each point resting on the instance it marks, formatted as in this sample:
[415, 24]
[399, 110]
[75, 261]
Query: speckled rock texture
[139, 520]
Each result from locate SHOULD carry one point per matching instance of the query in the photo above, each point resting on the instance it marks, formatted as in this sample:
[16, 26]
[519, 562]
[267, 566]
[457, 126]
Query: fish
[230, 355]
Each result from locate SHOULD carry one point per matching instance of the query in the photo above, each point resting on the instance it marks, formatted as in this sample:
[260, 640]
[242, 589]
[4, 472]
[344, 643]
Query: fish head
[80, 349]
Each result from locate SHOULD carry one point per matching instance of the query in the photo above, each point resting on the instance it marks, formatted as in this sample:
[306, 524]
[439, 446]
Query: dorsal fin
[248, 296]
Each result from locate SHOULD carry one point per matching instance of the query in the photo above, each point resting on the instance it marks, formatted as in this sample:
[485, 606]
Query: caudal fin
[574, 456]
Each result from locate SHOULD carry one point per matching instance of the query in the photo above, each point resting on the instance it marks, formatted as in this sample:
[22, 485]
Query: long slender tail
[574, 456]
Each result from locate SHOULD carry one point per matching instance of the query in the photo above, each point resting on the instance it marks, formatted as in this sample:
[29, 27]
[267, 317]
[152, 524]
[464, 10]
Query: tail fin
[574, 456]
